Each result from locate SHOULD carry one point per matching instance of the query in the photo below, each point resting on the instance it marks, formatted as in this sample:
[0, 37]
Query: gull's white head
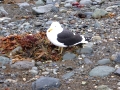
[55, 27]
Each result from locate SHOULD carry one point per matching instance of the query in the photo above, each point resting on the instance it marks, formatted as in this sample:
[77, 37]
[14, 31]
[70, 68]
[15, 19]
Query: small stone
[117, 71]
[24, 79]
[101, 71]
[87, 61]
[46, 83]
[86, 50]
[42, 9]
[69, 56]
[96, 38]
[23, 64]
[39, 2]
[62, 10]
[45, 73]
[22, 5]
[103, 61]
[68, 75]
[84, 82]
[116, 57]
[2, 11]
[4, 60]
[67, 5]
[98, 13]
[33, 72]
[3, 67]
[16, 50]
[118, 83]
[85, 2]
[103, 87]
[38, 24]
[34, 68]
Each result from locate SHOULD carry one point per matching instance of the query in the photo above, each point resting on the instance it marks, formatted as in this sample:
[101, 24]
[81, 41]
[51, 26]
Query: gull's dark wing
[65, 34]
[70, 40]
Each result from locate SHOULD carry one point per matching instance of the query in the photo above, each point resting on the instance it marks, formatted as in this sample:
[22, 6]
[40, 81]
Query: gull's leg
[61, 50]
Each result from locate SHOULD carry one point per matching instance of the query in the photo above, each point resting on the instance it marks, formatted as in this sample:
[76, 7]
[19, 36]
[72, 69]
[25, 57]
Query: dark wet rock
[68, 75]
[101, 71]
[116, 57]
[46, 83]
[69, 56]
[23, 64]
[117, 71]
[103, 61]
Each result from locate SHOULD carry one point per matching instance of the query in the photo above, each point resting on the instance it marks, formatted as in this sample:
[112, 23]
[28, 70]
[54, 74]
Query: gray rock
[87, 61]
[33, 72]
[67, 5]
[63, 10]
[86, 50]
[86, 2]
[98, 13]
[68, 75]
[103, 61]
[46, 83]
[42, 9]
[116, 57]
[49, 1]
[4, 60]
[39, 2]
[23, 64]
[117, 71]
[101, 71]
[103, 87]
[22, 5]
[2, 11]
[70, 1]
[69, 56]
[5, 19]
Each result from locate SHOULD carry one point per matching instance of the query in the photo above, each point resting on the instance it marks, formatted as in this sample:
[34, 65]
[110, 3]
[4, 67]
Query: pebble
[101, 71]
[2, 11]
[117, 71]
[5, 19]
[23, 64]
[68, 75]
[46, 83]
[103, 87]
[116, 57]
[87, 61]
[86, 2]
[33, 72]
[103, 61]
[69, 56]
[85, 50]
[42, 9]
[22, 5]
[4, 60]
[67, 5]
[98, 13]
[39, 2]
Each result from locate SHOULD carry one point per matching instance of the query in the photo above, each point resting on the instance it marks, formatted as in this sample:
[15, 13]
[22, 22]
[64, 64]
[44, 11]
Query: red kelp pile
[34, 46]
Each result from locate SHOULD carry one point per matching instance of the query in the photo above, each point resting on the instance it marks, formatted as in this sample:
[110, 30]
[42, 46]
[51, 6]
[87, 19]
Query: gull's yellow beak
[50, 29]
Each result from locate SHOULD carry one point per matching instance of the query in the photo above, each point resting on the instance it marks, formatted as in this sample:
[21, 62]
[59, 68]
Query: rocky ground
[96, 66]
